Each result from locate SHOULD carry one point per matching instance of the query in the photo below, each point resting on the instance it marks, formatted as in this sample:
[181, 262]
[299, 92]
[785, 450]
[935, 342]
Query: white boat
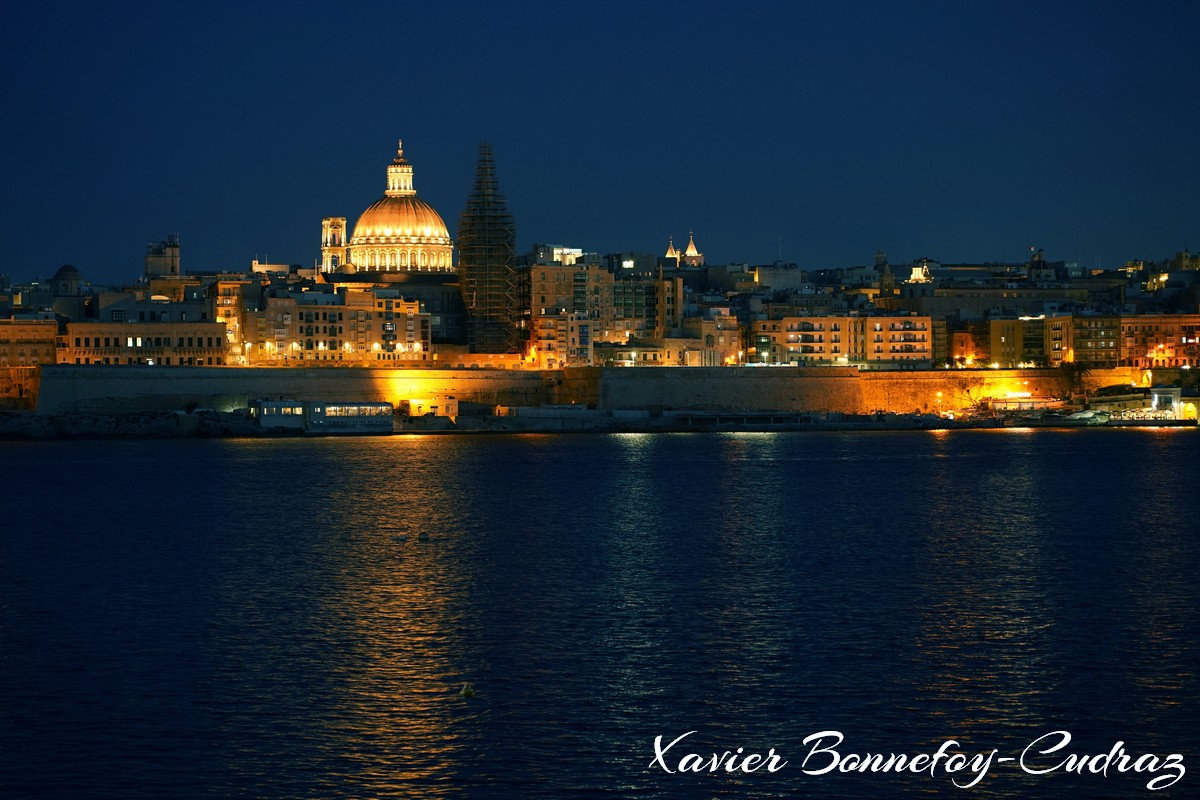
[1088, 418]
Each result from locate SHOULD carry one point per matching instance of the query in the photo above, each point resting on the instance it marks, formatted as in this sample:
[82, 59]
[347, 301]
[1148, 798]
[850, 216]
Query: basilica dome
[400, 217]
[398, 232]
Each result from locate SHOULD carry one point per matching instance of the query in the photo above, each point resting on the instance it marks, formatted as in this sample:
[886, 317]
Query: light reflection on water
[281, 629]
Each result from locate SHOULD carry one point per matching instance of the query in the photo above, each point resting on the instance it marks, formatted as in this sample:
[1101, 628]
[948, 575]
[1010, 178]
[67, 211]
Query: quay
[147, 400]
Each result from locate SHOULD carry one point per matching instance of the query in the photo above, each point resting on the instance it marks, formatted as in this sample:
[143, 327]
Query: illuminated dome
[389, 218]
[398, 232]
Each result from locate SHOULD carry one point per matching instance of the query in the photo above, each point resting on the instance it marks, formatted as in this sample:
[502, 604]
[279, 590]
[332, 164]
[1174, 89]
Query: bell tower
[333, 243]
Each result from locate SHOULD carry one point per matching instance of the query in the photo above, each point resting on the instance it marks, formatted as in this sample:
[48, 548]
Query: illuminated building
[1059, 333]
[1016, 342]
[1039, 341]
[190, 304]
[1097, 341]
[228, 302]
[26, 342]
[977, 301]
[633, 354]
[1152, 341]
[349, 328]
[487, 260]
[970, 345]
[711, 342]
[562, 340]
[547, 254]
[646, 307]
[578, 288]
[636, 306]
[869, 342]
[158, 343]
[719, 347]
[396, 233]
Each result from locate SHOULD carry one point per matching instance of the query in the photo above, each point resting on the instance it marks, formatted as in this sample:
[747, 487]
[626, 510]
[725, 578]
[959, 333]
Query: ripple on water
[268, 622]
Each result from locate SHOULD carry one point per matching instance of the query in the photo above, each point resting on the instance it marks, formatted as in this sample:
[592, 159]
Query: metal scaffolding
[487, 260]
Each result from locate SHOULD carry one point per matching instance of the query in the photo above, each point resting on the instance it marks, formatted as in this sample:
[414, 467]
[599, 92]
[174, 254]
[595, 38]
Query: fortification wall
[122, 389]
[102, 389]
[843, 390]
[731, 389]
[953, 390]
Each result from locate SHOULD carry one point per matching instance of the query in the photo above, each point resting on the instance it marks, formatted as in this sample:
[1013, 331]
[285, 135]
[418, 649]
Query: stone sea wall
[732, 389]
[134, 389]
[833, 389]
[101, 389]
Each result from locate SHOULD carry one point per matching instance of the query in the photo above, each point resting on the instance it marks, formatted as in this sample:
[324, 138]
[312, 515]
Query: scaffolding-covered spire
[487, 257]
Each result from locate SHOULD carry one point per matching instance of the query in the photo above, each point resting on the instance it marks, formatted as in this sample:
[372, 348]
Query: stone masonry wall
[123, 389]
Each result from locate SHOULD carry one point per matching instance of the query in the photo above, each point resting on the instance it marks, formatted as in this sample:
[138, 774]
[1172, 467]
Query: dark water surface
[261, 619]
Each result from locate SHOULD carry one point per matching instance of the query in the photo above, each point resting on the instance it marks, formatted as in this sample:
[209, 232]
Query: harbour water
[263, 618]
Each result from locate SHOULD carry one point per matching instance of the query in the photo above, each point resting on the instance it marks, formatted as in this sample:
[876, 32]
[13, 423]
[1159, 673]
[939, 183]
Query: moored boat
[321, 417]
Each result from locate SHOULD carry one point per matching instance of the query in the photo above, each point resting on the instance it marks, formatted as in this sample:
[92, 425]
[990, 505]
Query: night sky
[822, 131]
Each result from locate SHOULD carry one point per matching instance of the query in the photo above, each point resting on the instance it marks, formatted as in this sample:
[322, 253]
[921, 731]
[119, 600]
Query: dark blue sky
[958, 131]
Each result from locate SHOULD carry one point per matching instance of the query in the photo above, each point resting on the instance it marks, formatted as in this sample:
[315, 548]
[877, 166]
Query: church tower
[691, 256]
[887, 281]
[333, 243]
[672, 253]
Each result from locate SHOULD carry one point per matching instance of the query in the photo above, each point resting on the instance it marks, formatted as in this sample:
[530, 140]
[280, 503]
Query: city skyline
[813, 134]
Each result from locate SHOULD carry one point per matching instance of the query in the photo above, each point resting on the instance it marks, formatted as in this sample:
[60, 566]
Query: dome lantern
[400, 175]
